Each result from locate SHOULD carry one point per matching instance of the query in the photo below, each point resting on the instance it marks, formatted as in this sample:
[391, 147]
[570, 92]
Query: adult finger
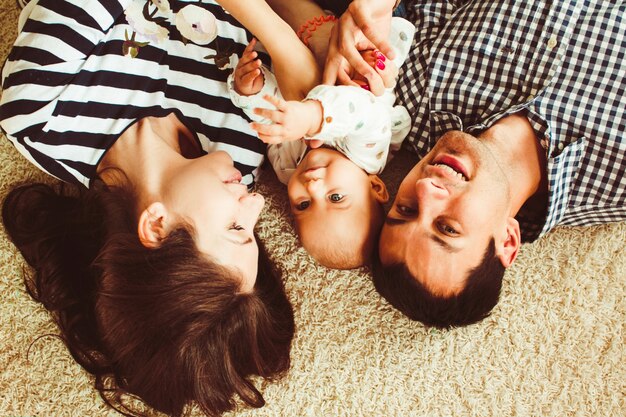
[376, 83]
[371, 28]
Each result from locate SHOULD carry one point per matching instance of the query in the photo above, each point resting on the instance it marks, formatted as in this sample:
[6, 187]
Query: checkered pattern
[475, 62]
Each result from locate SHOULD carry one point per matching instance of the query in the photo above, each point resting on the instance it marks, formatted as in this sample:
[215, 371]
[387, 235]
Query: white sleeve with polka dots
[355, 123]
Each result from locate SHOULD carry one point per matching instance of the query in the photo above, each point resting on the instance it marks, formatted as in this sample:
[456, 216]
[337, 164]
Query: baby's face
[330, 197]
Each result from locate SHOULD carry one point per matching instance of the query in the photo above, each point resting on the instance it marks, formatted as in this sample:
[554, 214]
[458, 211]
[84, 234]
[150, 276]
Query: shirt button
[560, 146]
[552, 42]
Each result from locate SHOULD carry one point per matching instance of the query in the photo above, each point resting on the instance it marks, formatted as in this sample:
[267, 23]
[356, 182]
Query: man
[518, 117]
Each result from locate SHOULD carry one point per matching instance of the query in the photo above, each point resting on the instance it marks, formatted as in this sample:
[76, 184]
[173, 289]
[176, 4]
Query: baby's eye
[303, 205]
[336, 197]
[447, 230]
[235, 226]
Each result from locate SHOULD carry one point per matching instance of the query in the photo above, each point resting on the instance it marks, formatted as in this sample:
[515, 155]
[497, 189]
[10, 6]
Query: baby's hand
[248, 77]
[292, 120]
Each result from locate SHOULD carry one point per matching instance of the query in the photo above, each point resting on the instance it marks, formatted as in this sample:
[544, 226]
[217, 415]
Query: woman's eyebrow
[241, 242]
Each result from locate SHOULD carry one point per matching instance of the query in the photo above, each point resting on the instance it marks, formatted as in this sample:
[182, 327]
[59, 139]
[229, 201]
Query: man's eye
[236, 226]
[404, 210]
[447, 230]
[303, 205]
[336, 197]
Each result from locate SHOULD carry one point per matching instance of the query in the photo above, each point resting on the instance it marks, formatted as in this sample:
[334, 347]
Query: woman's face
[207, 193]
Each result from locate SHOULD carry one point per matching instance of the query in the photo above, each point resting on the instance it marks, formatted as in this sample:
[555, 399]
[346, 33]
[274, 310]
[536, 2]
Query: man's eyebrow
[392, 221]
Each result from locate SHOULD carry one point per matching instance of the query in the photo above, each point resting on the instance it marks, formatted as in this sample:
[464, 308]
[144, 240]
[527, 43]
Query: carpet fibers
[554, 346]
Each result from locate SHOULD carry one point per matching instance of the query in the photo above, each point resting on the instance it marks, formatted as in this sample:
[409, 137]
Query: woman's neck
[144, 154]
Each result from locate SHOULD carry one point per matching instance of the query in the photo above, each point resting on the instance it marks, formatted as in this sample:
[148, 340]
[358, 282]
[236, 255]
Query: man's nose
[427, 189]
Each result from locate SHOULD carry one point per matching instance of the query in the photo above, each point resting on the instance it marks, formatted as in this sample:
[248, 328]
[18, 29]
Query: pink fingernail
[380, 56]
[380, 64]
[365, 87]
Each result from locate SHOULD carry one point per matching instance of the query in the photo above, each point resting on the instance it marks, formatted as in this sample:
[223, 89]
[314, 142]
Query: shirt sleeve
[249, 103]
[356, 123]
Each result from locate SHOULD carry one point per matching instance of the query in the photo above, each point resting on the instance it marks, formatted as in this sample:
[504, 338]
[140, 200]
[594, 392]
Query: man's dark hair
[482, 290]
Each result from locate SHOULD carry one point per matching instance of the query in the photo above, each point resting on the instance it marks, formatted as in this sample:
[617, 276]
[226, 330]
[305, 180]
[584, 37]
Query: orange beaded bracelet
[306, 30]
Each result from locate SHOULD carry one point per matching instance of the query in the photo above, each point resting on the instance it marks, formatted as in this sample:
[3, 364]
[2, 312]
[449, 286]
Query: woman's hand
[365, 25]
[292, 120]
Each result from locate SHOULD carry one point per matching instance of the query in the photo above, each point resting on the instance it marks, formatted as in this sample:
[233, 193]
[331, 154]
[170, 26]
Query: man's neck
[521, 156]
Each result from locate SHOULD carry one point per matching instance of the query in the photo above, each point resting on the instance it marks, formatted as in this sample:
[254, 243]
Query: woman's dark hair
[167, 325]
[472, 304]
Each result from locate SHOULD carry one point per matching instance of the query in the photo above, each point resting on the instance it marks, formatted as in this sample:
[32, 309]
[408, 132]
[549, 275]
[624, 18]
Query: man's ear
[509, 247]
[379, 189]
[151, 228]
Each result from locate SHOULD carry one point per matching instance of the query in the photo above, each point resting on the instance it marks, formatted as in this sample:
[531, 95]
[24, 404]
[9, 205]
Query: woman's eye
[447, 230]
[236, 226]
[336, 197]
[303, 205]
[404, 210]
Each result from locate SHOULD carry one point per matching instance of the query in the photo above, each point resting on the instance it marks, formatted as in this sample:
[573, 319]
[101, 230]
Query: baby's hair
[343, 249]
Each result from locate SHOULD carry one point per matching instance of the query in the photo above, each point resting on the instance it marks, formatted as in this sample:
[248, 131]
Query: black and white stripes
[69, 91]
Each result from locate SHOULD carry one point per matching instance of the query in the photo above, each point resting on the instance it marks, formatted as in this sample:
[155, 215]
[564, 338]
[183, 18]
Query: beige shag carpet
[554, 346]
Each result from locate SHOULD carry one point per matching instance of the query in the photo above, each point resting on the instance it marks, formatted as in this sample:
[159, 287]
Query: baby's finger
[270, 140]
[249, 77]
[250, 46]
[250, 67]
[247, 58]
[279, 103]
[275, 116]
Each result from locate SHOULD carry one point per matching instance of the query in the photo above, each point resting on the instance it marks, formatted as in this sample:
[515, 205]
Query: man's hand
[248, 76]
[292, 120]
[365, 25]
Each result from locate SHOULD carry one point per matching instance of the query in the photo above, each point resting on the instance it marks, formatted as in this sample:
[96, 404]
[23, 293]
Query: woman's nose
[253, 205]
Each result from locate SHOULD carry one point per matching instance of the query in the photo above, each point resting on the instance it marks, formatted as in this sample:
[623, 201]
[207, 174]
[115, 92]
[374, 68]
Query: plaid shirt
[474, 62]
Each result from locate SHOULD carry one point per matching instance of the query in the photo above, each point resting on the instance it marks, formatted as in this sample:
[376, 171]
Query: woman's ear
[508, 249]
[151, 228]
[379, 189]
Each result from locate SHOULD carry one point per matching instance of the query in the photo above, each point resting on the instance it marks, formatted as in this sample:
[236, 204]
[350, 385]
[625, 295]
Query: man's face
[446, 211]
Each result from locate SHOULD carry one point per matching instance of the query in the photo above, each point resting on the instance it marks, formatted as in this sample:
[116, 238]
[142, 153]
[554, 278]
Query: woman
[153, 273]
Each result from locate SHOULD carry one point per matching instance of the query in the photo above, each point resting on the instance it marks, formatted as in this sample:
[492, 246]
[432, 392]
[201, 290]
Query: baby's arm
[292, 120]
[250, 82]
[247, 77]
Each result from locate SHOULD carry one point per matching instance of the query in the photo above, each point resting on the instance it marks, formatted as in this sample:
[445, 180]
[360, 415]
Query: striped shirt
[475, 62]
[82, 71]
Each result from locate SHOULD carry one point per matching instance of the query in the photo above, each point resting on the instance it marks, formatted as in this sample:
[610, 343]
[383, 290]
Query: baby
[329, 148]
